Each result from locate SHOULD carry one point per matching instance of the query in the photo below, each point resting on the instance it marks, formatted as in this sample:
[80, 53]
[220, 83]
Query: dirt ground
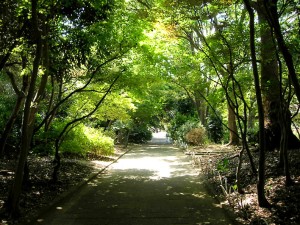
[220, 171]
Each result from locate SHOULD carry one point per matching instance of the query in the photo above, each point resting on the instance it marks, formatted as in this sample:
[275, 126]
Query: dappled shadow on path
[150, 185]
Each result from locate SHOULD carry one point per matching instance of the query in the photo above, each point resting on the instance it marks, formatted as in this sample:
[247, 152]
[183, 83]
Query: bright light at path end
[159, 166]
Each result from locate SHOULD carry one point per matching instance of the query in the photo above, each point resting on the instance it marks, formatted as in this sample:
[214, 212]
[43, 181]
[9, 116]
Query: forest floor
[217, 163]
[219, 166]
[41, 191]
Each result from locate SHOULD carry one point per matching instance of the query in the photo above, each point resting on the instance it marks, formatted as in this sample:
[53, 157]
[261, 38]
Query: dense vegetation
[79, 76]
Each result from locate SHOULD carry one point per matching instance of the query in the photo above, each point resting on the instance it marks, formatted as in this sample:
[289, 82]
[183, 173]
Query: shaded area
[153, 184]
[285, 200]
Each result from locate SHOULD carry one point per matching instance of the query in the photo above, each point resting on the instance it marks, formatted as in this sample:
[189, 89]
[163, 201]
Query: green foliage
[132, 132]
[223, 165]
[186, 129]
[175, 125]
[186, 107]
[82, 140]
[139, 134]
[215, 128]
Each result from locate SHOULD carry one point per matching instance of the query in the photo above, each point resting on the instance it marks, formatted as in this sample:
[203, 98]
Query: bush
[84, 140]
[186, 128]
[191, 131]
[196, 136]
[177, 130]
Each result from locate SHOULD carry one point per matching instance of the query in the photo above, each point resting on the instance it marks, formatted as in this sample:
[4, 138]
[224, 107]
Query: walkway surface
[153, 184]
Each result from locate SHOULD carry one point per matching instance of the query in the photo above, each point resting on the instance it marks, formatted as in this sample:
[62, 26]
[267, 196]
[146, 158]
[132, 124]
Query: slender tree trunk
[238, 173]
[242, 121]
[70, 124]
[27, 128]
[263, 202]
[30, 109]
[21, 94]
[284, 125]
[233, 131]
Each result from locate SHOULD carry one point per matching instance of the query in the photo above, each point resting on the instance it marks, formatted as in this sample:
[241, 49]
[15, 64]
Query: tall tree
[261, 172]
[29, 114]
[272, 13]
[42, 17]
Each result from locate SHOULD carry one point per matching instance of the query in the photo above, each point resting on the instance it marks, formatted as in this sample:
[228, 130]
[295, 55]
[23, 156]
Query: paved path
[150, 185]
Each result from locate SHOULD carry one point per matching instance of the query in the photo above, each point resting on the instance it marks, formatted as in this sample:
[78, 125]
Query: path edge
[228, 210]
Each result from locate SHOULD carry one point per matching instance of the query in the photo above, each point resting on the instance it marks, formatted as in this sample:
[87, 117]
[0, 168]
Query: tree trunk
[271, 7]
[201, 108]
[270, 80]
[12, 203]
[284, 125]
[233, 131]
[252, 114]
[270, 86]
[262, 201]
[27, 129]
[238, 172]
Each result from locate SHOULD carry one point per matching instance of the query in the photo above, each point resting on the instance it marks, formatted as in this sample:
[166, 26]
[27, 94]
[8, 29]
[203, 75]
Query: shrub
[191, 132]
[82, 140]
[177, 130]
[196, 136]
[186, 128]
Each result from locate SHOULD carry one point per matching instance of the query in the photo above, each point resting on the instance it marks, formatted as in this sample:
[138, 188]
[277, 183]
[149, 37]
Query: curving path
[153, 184]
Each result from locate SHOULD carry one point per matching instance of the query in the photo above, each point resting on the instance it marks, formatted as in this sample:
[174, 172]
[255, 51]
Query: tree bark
[201, 107]
[271, 7]
[28, 119]
[285, 125]
[270, 77]
[263, 202]
[233, 131]
[270, 86]
[27, 128]
[238, 172]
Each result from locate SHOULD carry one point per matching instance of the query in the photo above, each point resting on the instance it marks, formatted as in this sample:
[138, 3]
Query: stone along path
[153, 184]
